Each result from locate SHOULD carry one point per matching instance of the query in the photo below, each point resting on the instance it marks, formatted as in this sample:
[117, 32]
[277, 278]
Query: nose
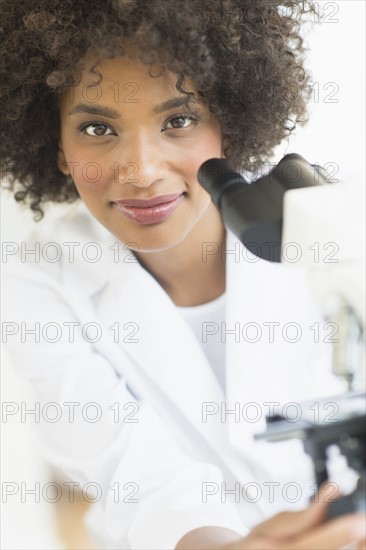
[144, 162]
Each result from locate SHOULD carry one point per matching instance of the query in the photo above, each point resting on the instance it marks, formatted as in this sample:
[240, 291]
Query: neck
[192, 272]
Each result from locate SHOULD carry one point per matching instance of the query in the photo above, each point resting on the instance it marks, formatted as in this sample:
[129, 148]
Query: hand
[306, 530]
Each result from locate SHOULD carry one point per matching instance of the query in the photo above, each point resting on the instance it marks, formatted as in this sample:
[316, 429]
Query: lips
[150, 210]
[145, 203]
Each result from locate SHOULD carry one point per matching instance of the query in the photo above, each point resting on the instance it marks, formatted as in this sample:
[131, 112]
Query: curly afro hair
[244, 56]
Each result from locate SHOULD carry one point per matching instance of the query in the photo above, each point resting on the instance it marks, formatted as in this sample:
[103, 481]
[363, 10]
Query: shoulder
[67, 250]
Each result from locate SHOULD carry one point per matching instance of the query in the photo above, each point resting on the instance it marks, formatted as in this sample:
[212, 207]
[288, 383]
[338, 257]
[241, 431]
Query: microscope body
[296, 216]
[328, 224]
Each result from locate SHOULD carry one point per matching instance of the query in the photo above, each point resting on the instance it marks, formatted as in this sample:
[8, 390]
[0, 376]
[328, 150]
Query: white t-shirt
[205, 321]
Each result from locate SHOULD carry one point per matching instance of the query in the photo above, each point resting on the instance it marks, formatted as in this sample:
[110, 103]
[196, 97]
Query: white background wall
[336, 131]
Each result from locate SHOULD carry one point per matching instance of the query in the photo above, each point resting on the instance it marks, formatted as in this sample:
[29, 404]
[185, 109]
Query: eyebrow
[108, 112]
[94, 110]
[175, 102]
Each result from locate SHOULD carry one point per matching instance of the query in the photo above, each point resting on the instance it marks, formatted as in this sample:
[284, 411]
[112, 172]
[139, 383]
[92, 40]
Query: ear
[61, 161]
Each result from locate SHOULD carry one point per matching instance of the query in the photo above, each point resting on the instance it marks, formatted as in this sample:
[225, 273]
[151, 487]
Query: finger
[328, 492]
[333, 534]
[292, 524]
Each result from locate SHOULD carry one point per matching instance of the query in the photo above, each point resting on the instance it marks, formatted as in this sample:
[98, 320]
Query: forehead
[124, 80]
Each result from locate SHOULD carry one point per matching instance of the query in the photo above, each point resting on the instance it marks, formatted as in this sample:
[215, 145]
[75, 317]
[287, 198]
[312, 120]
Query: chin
[156, 243]
[150, 248]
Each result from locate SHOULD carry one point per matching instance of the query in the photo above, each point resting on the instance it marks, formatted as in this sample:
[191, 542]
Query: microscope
[295, 206]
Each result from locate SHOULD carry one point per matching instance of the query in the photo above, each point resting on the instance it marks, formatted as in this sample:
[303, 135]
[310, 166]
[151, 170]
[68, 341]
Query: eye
[96, 129]
[180, 121]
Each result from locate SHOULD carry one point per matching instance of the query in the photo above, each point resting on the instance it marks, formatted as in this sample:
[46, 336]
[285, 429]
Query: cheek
[90, 177]
[207, 148]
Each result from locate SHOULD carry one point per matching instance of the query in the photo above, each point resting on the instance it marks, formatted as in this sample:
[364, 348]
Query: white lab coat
[161, 456]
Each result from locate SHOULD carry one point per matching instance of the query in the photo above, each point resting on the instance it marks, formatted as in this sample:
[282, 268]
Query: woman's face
[133, 148]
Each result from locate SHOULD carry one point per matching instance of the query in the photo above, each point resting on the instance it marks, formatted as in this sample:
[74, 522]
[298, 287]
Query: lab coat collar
[163, 350]
[96, 253]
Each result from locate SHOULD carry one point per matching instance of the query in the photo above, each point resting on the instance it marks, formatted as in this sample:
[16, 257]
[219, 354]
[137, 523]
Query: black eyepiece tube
[254, 211]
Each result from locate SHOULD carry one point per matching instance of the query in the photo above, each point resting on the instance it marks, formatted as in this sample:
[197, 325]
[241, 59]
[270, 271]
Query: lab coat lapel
[269, 356]
[163, 345]
[140, 319]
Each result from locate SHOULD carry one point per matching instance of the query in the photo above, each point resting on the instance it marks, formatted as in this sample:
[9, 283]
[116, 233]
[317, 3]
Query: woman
[119, 103]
